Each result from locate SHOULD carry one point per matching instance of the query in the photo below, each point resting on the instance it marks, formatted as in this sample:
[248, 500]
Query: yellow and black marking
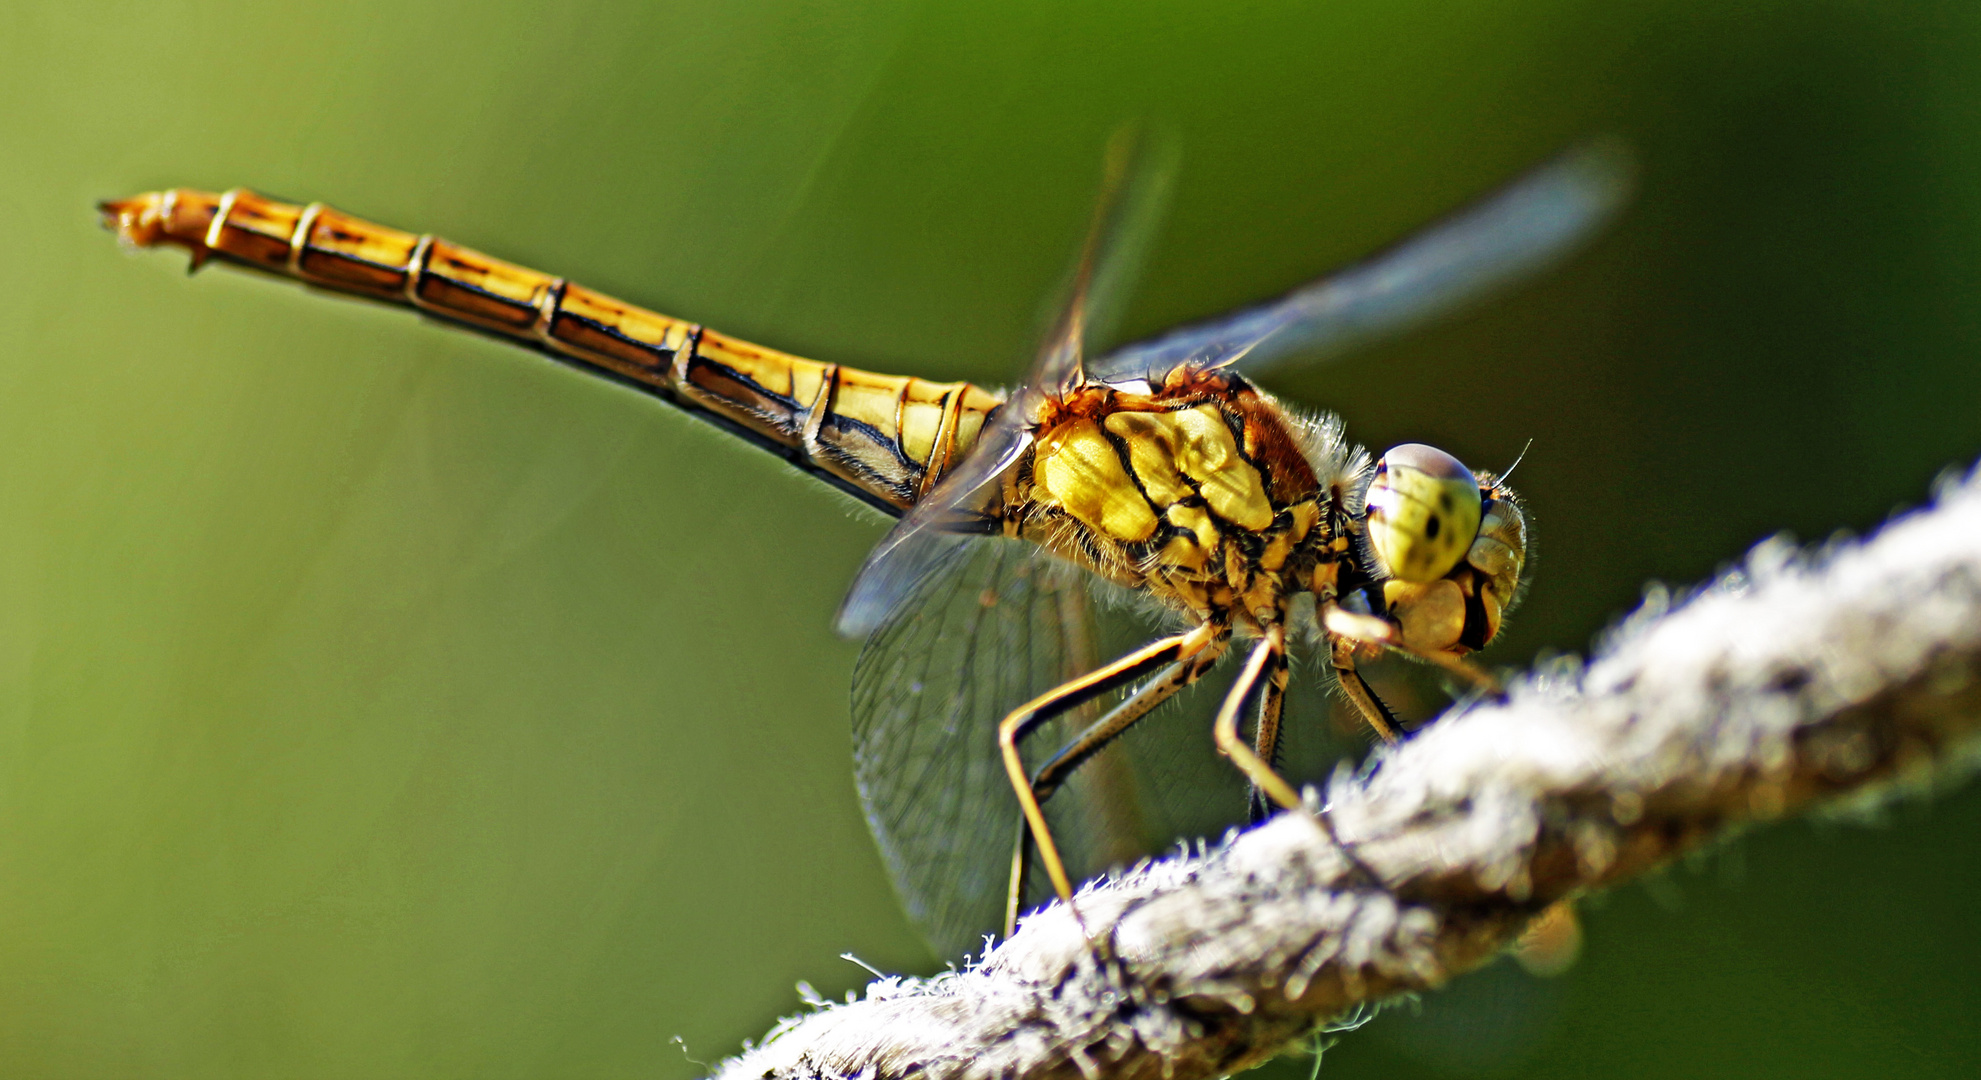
[1193, 491]
[1198, 493]
[884, 438]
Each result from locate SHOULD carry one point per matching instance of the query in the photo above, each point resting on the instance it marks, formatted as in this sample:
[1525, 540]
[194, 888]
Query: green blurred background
[377, 700]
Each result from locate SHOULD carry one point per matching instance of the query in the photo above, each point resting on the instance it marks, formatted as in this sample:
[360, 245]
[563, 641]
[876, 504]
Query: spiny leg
[1098, 735]
[1374, 712]
[1265, 672]
[1270, 652]
[1458, 666]
[1057, 768]
[1023, 720]
[1349, 628]
[1266, 734]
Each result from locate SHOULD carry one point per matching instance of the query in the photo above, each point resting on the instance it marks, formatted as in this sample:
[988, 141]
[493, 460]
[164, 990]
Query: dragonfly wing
[995, 624]
[1510, 235]
[925, 538]
[1140, 168]
[1140, 172]
[991, 626]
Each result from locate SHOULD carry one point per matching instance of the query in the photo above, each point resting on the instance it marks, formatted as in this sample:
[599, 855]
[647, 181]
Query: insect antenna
[1518, 458]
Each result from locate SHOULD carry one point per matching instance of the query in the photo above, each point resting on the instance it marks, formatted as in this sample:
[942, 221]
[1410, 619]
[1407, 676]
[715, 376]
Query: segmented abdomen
[885, 437]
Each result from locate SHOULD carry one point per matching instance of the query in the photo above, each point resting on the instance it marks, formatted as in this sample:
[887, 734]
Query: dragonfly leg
[1384, 632]
[1374, 712]
[1266, 732]
[1021, 868]
[1061, 765]
[1097, 736]
[1027, 717]
[1265, 672]
[1458, 666]
[1255, 676]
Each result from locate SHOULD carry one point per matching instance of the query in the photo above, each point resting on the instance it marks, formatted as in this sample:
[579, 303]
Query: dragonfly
[1158, 479]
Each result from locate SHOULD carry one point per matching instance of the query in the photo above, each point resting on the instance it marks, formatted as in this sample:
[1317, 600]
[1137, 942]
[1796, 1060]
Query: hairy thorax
[1200, 491]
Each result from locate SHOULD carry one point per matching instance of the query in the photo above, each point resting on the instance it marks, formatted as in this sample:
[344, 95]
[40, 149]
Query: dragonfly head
[1450, 544]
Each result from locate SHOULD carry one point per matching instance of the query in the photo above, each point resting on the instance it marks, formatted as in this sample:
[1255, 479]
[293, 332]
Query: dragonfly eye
[1424, 510]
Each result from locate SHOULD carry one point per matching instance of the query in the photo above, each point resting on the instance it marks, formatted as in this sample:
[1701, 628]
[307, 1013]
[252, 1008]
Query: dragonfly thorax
[1204, 493]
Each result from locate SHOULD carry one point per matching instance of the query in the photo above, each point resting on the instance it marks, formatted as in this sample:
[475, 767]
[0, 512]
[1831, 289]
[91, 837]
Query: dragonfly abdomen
[886, 438]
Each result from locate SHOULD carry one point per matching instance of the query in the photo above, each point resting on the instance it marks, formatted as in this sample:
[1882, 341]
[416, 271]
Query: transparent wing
[1511, 235]
[994, 624]
[984, 631]
[1140, 173]
[1140, 168]
[932, 531]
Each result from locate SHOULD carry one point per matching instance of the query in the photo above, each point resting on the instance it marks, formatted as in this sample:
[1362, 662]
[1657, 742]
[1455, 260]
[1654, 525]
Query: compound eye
[1424, 509]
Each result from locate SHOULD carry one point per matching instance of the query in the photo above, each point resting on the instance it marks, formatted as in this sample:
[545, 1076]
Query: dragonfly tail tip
[138, 221]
